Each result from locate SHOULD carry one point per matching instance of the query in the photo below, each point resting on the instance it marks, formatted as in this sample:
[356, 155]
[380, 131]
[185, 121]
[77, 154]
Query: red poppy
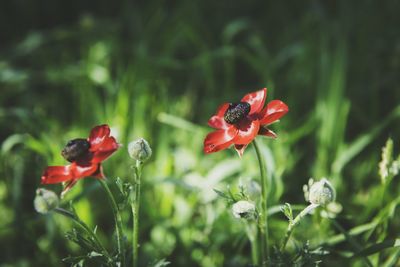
[239, 123]
[85, 156]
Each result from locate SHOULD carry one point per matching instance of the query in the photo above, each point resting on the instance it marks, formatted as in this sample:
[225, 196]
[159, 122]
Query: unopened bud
[244, 209]
[45, 201]
[139, 150]
[321, 192]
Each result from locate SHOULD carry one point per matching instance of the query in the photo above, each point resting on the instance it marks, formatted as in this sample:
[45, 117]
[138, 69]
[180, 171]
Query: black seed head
[236, 112]
[76, 149]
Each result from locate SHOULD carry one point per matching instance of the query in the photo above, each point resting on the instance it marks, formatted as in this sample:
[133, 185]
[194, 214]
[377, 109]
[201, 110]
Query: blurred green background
[159, 69]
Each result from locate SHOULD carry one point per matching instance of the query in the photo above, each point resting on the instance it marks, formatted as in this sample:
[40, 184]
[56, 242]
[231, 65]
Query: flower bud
[244, 209]
[331, 210]
[45, 201]
[139, 150]
[321, 192]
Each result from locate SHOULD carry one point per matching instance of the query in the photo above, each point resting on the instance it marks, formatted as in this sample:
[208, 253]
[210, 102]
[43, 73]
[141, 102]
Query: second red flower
[239, 123]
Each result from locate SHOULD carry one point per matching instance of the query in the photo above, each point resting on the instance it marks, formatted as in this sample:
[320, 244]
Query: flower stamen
[236, 112]
[76, 149]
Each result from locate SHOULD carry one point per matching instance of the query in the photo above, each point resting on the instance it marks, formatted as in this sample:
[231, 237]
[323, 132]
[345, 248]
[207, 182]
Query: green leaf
[221, 194]
[287, 210]
[12, 141]
[352, 232]
[378, 247]
[348, 152]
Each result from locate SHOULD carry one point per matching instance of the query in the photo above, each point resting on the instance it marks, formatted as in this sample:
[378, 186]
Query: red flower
[85, 156]
[239, 123]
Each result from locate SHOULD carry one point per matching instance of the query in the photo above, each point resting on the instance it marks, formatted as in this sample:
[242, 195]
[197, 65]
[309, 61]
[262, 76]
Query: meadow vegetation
[158, 70]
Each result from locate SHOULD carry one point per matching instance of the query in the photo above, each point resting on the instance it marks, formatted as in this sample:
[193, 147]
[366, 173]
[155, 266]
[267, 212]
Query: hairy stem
[118, 221]
[295, 222]
[135, 205]
[264, 206]
[85, 228]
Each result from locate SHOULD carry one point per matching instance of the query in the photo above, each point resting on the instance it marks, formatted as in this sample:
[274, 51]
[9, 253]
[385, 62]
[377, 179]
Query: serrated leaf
[287, 211]
[221, 194]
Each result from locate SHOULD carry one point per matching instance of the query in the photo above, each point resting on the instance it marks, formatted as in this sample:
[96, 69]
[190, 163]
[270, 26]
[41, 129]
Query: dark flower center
[236, 112]
[76, 149]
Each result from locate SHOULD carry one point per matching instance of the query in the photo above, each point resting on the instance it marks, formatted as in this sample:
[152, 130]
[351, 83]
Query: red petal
[273, 112]
[97, 136]
[267, 132]
[217, 121]
[219, 140]
[240, 149]
[248, 130]
[108, 147]
[56, 174]
[256, 100]
[80, 171]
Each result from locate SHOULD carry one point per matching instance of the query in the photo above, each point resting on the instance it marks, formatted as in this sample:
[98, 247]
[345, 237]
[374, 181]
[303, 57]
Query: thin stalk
[135, 205]
[251, 232]
[84, 227]
[264, 206]
[118, 221]
[295, 222]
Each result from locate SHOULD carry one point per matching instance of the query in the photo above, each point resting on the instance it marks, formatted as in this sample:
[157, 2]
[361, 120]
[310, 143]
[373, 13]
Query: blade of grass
[378, 247]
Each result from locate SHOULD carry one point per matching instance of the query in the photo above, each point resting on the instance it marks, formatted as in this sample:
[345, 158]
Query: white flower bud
[244, 209]
[331, 210]
[45, 201]
[321, 192]
[139, 150]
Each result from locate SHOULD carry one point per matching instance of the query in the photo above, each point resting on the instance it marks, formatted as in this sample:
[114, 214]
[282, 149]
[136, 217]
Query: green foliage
[287, 210]
[159, 70]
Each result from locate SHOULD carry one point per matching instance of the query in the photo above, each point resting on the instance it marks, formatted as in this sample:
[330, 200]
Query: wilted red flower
[239, 123]
[85, 156]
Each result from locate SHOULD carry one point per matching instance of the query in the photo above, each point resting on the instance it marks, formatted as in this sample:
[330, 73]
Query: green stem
[118, 221]
[295, 222]
[251, 231]
[135, 205]
[264, 206]
[84, 227]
